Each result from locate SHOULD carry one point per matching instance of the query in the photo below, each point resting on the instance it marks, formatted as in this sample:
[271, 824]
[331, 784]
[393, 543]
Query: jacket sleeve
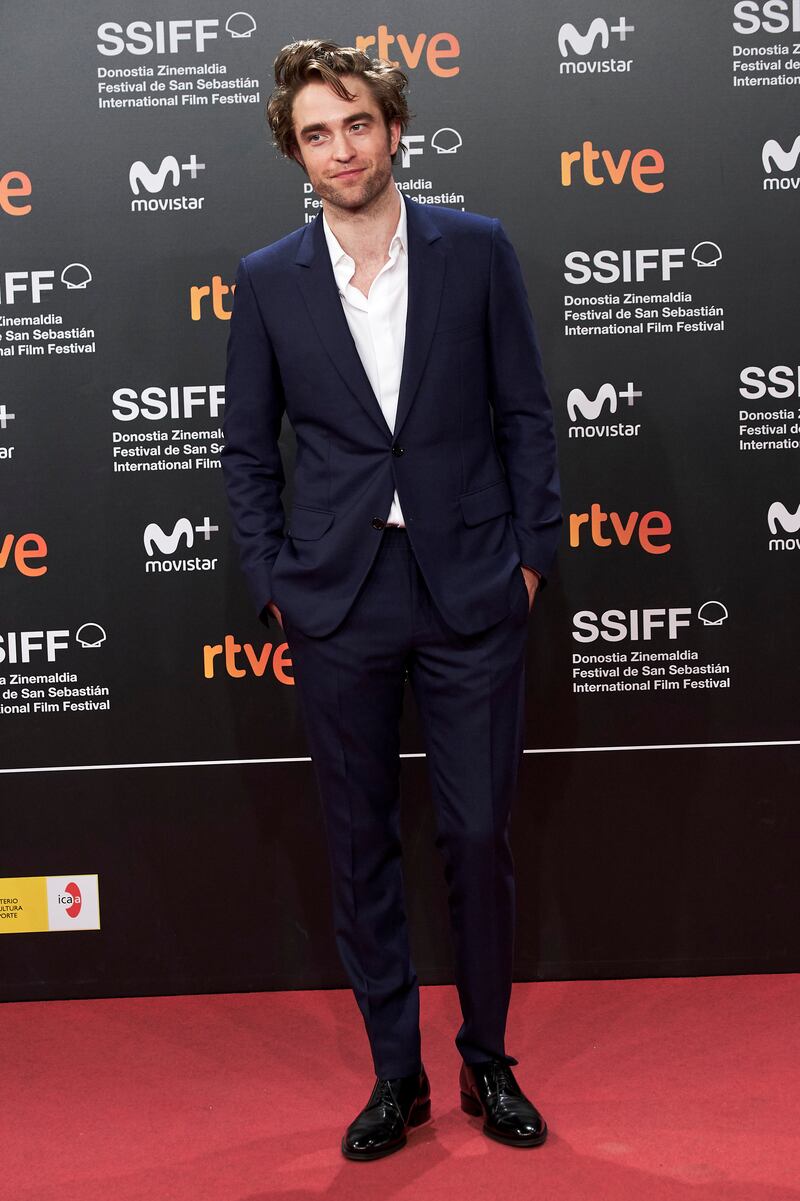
[523, 417]
[251, 462]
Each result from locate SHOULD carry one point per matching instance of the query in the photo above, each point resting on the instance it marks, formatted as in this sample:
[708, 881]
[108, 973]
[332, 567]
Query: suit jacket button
[397, 451]
[378, 523]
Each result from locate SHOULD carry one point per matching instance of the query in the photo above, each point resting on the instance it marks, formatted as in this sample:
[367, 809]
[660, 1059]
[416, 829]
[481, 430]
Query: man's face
[344, 145]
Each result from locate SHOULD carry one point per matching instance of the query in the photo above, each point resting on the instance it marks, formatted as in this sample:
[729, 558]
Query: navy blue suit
[442, 604]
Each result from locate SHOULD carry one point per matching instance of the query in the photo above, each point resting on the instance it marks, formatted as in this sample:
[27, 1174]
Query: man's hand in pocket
[531, 577]
[275, 611]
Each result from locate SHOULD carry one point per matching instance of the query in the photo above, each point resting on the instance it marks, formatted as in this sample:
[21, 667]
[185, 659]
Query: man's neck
[366, 233]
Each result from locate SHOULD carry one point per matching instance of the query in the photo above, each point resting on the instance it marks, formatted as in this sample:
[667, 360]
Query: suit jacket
[473, 452]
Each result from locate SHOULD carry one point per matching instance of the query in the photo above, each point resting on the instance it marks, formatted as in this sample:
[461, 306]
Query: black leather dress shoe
[394, 1105]
[490, 1089]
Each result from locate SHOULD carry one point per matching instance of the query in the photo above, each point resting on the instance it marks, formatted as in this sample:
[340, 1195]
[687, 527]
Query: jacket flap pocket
[308, 523]
[485, 503]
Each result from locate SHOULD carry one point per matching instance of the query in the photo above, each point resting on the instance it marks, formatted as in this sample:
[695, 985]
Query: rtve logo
[779, 516]
[784, 382]
[170, 37]
[141, 178]
[227, 656]
[13, 186]
[215, 291]
[646, 526]
[70, 900]
[581, 405]
[773, 16]
[773, 155]
[643, 162]
[438, 46]
[633, 266]
[25, 547]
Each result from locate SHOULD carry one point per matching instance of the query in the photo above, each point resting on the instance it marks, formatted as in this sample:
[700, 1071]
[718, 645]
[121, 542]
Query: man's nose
[341, 147]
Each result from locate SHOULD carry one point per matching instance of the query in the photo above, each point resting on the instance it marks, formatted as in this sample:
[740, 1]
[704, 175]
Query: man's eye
[358, 125]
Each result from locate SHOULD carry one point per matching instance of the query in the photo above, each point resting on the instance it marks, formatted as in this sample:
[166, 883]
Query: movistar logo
[141, 177]
[578, 403]
[157, 539]
[779, 515]
[570, 39]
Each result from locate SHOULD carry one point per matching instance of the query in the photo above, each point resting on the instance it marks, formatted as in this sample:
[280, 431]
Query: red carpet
[652, 1089]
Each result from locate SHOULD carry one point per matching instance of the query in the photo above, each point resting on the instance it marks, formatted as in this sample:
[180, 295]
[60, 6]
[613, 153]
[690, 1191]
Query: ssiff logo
[633, 266]
[170, 37]
[169, 172]
[773, 16]
[779, 516]
[579, 405]
[25, 646]
[779, 381]
[582, 45]
[635, 625]
[189, 402]
[444, 141]
[32, 286]
[774, 157]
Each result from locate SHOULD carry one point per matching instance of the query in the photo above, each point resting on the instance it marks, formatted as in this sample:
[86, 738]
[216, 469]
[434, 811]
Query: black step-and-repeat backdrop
[157, 796]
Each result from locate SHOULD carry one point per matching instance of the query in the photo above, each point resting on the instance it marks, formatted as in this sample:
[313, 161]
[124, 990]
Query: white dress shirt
[378, 321]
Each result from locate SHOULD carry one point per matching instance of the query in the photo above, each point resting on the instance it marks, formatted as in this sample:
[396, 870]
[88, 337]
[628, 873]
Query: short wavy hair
[302, 62]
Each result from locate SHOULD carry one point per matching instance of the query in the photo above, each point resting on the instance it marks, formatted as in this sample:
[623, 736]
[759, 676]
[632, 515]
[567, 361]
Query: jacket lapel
[318, 286]
[426, 271]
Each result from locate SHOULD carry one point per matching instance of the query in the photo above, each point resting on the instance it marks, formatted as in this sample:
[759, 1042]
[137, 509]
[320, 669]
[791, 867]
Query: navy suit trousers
[469, 691]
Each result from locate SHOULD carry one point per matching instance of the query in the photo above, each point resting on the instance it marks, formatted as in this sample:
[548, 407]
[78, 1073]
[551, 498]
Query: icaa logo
[71, 900]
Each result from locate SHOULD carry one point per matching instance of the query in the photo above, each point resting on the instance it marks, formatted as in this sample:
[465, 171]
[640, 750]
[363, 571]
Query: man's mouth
[348, 174]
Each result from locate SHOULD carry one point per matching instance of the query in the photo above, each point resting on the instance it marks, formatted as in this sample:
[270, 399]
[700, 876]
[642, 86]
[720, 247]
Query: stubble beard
[356, 199]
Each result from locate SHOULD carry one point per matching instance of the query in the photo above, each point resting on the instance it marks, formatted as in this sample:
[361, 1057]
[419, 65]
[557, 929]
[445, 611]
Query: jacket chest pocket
[461, 332]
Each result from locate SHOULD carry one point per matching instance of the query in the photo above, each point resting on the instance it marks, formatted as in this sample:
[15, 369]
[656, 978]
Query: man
[398, 339]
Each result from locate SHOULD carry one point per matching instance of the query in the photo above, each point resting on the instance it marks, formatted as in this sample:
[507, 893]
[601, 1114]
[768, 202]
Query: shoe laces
[385, 1093]
[503, 1080]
